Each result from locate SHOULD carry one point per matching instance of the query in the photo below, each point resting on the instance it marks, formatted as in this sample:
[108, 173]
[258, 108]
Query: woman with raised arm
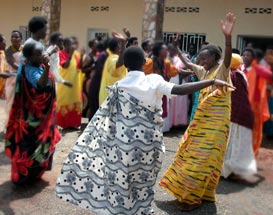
[196, 169]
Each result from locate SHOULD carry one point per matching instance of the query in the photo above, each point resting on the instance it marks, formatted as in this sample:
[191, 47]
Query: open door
[260, 42]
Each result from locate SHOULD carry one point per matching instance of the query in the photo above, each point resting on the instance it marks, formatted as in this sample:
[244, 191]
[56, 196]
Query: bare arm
[120, 61]
[66, 64]
[181, 55]
[227, 28]
[189, 88]
[44, 78]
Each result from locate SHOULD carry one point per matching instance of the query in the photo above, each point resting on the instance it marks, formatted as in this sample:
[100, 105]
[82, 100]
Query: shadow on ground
[171, 208]
[235, 186]
[10, 192]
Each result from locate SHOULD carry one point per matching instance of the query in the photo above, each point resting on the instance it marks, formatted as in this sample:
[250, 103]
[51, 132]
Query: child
[32, 132]
[112, 168]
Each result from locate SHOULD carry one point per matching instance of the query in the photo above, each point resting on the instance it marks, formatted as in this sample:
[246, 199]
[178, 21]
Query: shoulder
[154, 77]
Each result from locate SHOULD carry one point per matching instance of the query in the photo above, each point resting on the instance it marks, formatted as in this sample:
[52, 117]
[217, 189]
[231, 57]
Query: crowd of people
[131, 95]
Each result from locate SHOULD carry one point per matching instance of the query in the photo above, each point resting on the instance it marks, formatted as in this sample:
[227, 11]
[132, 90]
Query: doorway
[257, 42]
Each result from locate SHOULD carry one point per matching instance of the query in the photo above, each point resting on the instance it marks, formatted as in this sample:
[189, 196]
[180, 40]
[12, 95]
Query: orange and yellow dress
[196, 169]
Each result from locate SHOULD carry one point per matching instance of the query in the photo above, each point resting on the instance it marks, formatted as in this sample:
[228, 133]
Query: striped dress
[196, 169]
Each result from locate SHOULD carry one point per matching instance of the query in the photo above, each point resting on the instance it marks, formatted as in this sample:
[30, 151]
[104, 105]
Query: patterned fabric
[12, 56]
[3, 68]
[112, 168]
[195, 172]
[31, 132]
[195, 98]
[239, 158]
[69, 100]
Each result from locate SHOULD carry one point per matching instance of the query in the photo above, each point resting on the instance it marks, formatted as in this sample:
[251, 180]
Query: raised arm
[121, 38]
[181, 55]
[227, 28]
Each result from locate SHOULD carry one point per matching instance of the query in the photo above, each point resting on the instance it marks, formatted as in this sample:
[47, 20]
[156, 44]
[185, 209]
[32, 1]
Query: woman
[88, 68]
[113, 166]
[240, 161]
[32, 131]
[69, 100]
[160, 65]
[13, 57]
[113, 69]
[3, 64]
[93, 92]
[195, 172]
[177, 103]
[257, 77]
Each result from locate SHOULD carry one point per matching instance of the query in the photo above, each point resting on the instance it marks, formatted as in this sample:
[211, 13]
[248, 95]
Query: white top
[146, 88]
[54, 62]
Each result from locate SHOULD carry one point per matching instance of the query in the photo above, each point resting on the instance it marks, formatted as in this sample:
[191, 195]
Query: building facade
[195, 20]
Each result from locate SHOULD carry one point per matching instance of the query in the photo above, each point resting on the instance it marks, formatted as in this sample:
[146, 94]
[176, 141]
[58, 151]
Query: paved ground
[40, 199]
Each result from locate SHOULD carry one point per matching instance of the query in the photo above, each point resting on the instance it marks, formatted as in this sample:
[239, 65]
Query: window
[185, 39]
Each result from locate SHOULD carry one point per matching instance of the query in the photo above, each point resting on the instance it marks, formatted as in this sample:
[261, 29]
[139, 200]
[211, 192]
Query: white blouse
[146, 88]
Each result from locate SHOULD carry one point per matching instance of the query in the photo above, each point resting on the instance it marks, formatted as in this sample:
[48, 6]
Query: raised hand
[118, 36]
[228, 24]
[127, 32]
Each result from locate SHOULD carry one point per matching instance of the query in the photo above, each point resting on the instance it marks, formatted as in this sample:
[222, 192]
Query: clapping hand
[228, 24]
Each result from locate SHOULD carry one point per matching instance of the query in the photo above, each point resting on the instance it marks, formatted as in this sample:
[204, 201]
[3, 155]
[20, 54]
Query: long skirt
[113, 166]
[195, 172]
[32, 130]
[239, 158]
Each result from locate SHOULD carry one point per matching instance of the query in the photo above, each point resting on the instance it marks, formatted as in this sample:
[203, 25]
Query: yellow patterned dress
[196, 168]
[69, 100]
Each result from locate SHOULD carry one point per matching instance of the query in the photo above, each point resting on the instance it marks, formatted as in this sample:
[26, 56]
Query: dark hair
[130, 41]
[259, 54]
[67, 41]
[19, 32]
[1, 38]
[236, 51]
[205, 43]
[251, 50]
[133, 58]
[100, 46]
[113, 44]
[157, 48]
[53, 39]
[29, 49]
[92, 42]
[145, 43]
[36, 23]
[213, 50]
[221, 50]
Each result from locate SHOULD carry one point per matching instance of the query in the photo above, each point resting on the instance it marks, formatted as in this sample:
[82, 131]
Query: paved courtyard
[232, 198]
